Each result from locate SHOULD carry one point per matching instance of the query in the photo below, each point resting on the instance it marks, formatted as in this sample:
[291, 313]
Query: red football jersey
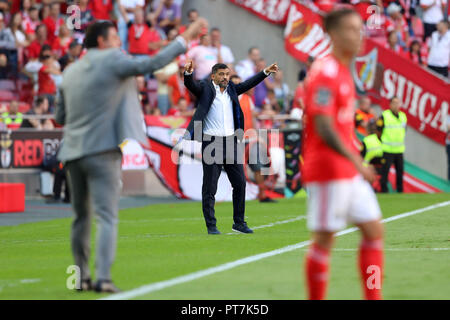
[329, 91]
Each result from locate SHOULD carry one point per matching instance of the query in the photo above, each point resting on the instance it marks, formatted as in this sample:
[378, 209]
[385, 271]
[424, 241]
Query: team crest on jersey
[322, 97]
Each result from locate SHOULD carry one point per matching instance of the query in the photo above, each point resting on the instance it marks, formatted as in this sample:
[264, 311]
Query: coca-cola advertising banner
[274, 11]
[377, 71]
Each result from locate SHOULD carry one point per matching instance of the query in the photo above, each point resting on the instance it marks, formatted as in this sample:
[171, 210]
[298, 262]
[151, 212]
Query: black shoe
[267, 200]
[213, 230]
[52, 200]
[86, 285]
[106, 286]
[242, 228]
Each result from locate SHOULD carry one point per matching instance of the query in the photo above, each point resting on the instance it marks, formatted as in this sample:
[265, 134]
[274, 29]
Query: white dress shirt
[439, 55]
[219, 121]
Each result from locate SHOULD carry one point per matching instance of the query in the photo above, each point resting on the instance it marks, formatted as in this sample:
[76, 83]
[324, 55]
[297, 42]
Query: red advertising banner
[274, 11]
[304, 35]
[425, 98]
[379, 72]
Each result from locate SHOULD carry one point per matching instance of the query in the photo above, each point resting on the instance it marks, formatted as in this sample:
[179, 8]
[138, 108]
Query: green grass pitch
[161, 242]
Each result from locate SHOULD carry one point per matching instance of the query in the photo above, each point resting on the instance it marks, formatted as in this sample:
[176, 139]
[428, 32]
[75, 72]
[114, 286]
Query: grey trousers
[95, 187]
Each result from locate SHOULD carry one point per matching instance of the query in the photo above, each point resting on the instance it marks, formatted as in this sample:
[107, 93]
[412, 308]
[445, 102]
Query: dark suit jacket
[205, 93]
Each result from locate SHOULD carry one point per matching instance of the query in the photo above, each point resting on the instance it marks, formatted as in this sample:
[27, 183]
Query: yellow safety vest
[394, 131]
[373, 148]
[8, 120]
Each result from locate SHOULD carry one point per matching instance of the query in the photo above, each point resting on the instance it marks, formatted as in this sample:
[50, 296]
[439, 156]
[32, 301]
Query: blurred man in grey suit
[99, 107]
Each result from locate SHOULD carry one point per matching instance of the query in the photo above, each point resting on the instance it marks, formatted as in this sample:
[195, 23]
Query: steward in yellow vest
[393, 123]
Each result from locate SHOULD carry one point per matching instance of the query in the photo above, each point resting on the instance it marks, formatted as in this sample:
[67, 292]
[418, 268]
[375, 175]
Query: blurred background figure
[363, 115]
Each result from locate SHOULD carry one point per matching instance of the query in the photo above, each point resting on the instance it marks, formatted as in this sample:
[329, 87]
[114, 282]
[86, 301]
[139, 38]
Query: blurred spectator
[139, 35]
[9, 49]
[163, 75]
[13, 116]
[247, 68]
[432, 15]
[16, 28]
[168, 15]
[363, 115]
[225, 51]
[282, 91]
[127, 9]
[271, 100]
[438, 59]
[261, 89]
[5, 10]
[62, 42]
[181, 109]
[298, 102]
[47, 85]
[416, 54]
[53, 21]
[7, 39]
[30, 21]
[204, 57]
[72, 54]
[101, 9]
[44, 12]
[34, 49]
[192, 15]
[397, 22]
[156, 37]
[392, 43]
[176, 87]
[40, 108]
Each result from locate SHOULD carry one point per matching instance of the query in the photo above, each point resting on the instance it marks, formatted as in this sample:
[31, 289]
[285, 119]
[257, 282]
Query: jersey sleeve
[322, 95]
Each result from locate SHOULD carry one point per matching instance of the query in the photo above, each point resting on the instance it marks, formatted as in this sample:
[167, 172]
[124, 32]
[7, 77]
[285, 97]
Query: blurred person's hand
[189, 67]
[194, 29]
[3, 60]
[368, 172]
[273, 68]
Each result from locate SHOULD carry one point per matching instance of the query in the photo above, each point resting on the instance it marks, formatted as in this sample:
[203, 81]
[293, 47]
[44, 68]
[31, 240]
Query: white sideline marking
[152, 287]
[392, 249]
[272, 224]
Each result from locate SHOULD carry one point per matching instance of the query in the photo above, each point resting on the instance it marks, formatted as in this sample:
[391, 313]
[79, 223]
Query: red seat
[12, 197]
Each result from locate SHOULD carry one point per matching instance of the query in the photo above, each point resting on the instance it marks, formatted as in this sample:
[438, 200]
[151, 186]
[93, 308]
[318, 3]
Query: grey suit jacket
[98, 100]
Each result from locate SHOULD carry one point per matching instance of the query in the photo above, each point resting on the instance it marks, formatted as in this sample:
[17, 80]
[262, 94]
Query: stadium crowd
[40, 38]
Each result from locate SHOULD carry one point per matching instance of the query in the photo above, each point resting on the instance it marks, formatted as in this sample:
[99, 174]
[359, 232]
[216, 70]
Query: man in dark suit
[219, 124]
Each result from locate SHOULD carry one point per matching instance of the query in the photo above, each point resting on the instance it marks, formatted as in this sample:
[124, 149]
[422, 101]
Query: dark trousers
[441, 70]
[448, 161]
[60, 179]
[220, 153]
[397, 159]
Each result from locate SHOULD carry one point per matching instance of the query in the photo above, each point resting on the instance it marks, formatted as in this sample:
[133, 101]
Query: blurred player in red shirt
[335, 178]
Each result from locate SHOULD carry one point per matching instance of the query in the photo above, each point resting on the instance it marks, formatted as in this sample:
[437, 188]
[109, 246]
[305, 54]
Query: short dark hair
[39, 100]
[95, 30]
[251, 49]
[190, 11]
[333, 18]
[234, 76]
[218, 66]
[214, 29]
[393, 98]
